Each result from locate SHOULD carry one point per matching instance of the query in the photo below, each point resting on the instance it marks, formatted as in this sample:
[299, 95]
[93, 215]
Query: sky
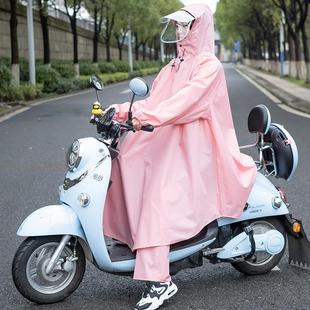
[210, 3]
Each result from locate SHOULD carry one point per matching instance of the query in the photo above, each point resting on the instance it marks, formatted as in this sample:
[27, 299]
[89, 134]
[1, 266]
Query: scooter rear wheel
[29, 270]
[262, 262]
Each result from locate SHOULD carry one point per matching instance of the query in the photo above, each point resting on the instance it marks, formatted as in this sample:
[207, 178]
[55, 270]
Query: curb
[286, 98]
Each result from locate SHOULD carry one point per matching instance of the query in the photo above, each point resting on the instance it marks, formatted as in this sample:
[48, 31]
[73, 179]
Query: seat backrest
[259, 119]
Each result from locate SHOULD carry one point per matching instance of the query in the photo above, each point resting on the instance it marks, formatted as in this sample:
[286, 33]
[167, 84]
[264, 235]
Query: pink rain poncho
[169, 184]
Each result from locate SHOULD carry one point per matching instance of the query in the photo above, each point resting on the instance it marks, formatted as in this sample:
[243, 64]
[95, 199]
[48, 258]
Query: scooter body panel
[129, 265]
[52, 220]
[259, 203]
[271, 242]
[91, 179]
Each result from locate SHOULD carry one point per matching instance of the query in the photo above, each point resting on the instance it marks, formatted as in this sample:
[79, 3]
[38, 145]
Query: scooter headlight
[73, 158]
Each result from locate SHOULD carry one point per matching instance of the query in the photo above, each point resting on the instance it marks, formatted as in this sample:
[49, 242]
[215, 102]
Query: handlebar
[148, 128]
[108, 128]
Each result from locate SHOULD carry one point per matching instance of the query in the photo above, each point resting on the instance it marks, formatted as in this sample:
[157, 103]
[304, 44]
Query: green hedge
[88, 68]
[109, 78]
[31, 92]
[50, 80]
[108, 67]
[14, 93]
[120, 65]
[5, 76]
[66, 70]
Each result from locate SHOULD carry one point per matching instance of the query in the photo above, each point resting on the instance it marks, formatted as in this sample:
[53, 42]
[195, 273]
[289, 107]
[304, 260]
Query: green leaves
[246, 19]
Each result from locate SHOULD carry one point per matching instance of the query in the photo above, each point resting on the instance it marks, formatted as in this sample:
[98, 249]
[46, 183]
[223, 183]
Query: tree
[123, 19]
[255, 23]
[146, 23]
[95, 8]
[74, 6]
[296, 12]
[43, 12]
[14, 42]
[109, 12]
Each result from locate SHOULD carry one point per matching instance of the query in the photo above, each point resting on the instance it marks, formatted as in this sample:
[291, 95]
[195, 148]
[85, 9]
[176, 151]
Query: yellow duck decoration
[97, 109]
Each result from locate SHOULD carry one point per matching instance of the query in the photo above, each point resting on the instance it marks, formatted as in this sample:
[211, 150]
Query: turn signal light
[296, 227]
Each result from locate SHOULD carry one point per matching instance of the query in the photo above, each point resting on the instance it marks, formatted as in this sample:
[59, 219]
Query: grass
[301, 83]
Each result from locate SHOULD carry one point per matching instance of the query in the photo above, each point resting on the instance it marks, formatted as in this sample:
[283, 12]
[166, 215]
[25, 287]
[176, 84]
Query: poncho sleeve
[121, 110]
[189, 104]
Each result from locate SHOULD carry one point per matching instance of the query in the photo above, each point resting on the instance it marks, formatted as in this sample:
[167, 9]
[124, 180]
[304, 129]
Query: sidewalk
[289, 93]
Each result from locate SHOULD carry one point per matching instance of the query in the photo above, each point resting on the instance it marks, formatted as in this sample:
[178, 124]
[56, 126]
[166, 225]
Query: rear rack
[262, 164]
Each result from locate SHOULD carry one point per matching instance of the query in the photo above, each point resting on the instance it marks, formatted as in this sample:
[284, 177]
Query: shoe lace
[147, 289]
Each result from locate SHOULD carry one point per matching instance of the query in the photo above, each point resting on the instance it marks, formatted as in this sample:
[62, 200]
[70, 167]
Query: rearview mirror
[96, 82]
[139, 87]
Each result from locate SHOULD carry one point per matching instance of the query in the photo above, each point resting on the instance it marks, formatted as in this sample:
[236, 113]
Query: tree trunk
[107, 46]
[136, 46]
[144, 51]
[13, 33]
[306, 54]
[14, 43]
[46, 45]
[297, 55]
[95, 37]
[150, 56]
[95, 47]
[243, 48]
[44, 27]
[291, 55]
[75, 40]
[156, 48]
[120, 44]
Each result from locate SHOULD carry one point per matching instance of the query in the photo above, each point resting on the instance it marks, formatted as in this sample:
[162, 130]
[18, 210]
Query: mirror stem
[129, 112]
[97, 95]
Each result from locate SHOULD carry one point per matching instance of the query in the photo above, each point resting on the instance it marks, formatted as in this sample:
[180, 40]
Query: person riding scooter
[168, 185]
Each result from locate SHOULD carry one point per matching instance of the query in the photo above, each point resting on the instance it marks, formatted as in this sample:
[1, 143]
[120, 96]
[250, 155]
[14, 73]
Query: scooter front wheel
[262, 262]
[29, 269]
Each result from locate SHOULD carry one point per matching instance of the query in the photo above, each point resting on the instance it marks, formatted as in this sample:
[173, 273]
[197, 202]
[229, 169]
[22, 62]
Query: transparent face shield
[174, 31]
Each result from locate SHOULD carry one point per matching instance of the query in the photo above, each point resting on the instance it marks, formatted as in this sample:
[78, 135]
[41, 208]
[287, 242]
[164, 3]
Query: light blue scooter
[50, 263]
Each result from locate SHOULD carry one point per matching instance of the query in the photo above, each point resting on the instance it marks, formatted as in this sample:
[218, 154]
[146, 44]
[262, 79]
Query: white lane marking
[263, 90]
[276, 268]
[125, 91]
[293, 111]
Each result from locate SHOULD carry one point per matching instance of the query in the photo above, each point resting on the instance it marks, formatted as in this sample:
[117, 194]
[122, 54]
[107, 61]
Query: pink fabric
[169, 184]
[152, 264]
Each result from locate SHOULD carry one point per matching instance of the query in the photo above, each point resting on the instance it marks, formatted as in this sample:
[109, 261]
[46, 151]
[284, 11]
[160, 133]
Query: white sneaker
[155, 294]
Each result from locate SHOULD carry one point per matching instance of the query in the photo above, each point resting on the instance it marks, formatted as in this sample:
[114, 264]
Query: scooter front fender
[52, 220]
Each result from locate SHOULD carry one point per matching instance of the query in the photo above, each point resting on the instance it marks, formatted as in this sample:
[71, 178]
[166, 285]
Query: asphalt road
[32, 165]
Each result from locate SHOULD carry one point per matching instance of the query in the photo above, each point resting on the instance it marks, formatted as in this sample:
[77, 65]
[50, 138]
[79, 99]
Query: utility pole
[129, 50]
[282, 44]
[31, 55]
